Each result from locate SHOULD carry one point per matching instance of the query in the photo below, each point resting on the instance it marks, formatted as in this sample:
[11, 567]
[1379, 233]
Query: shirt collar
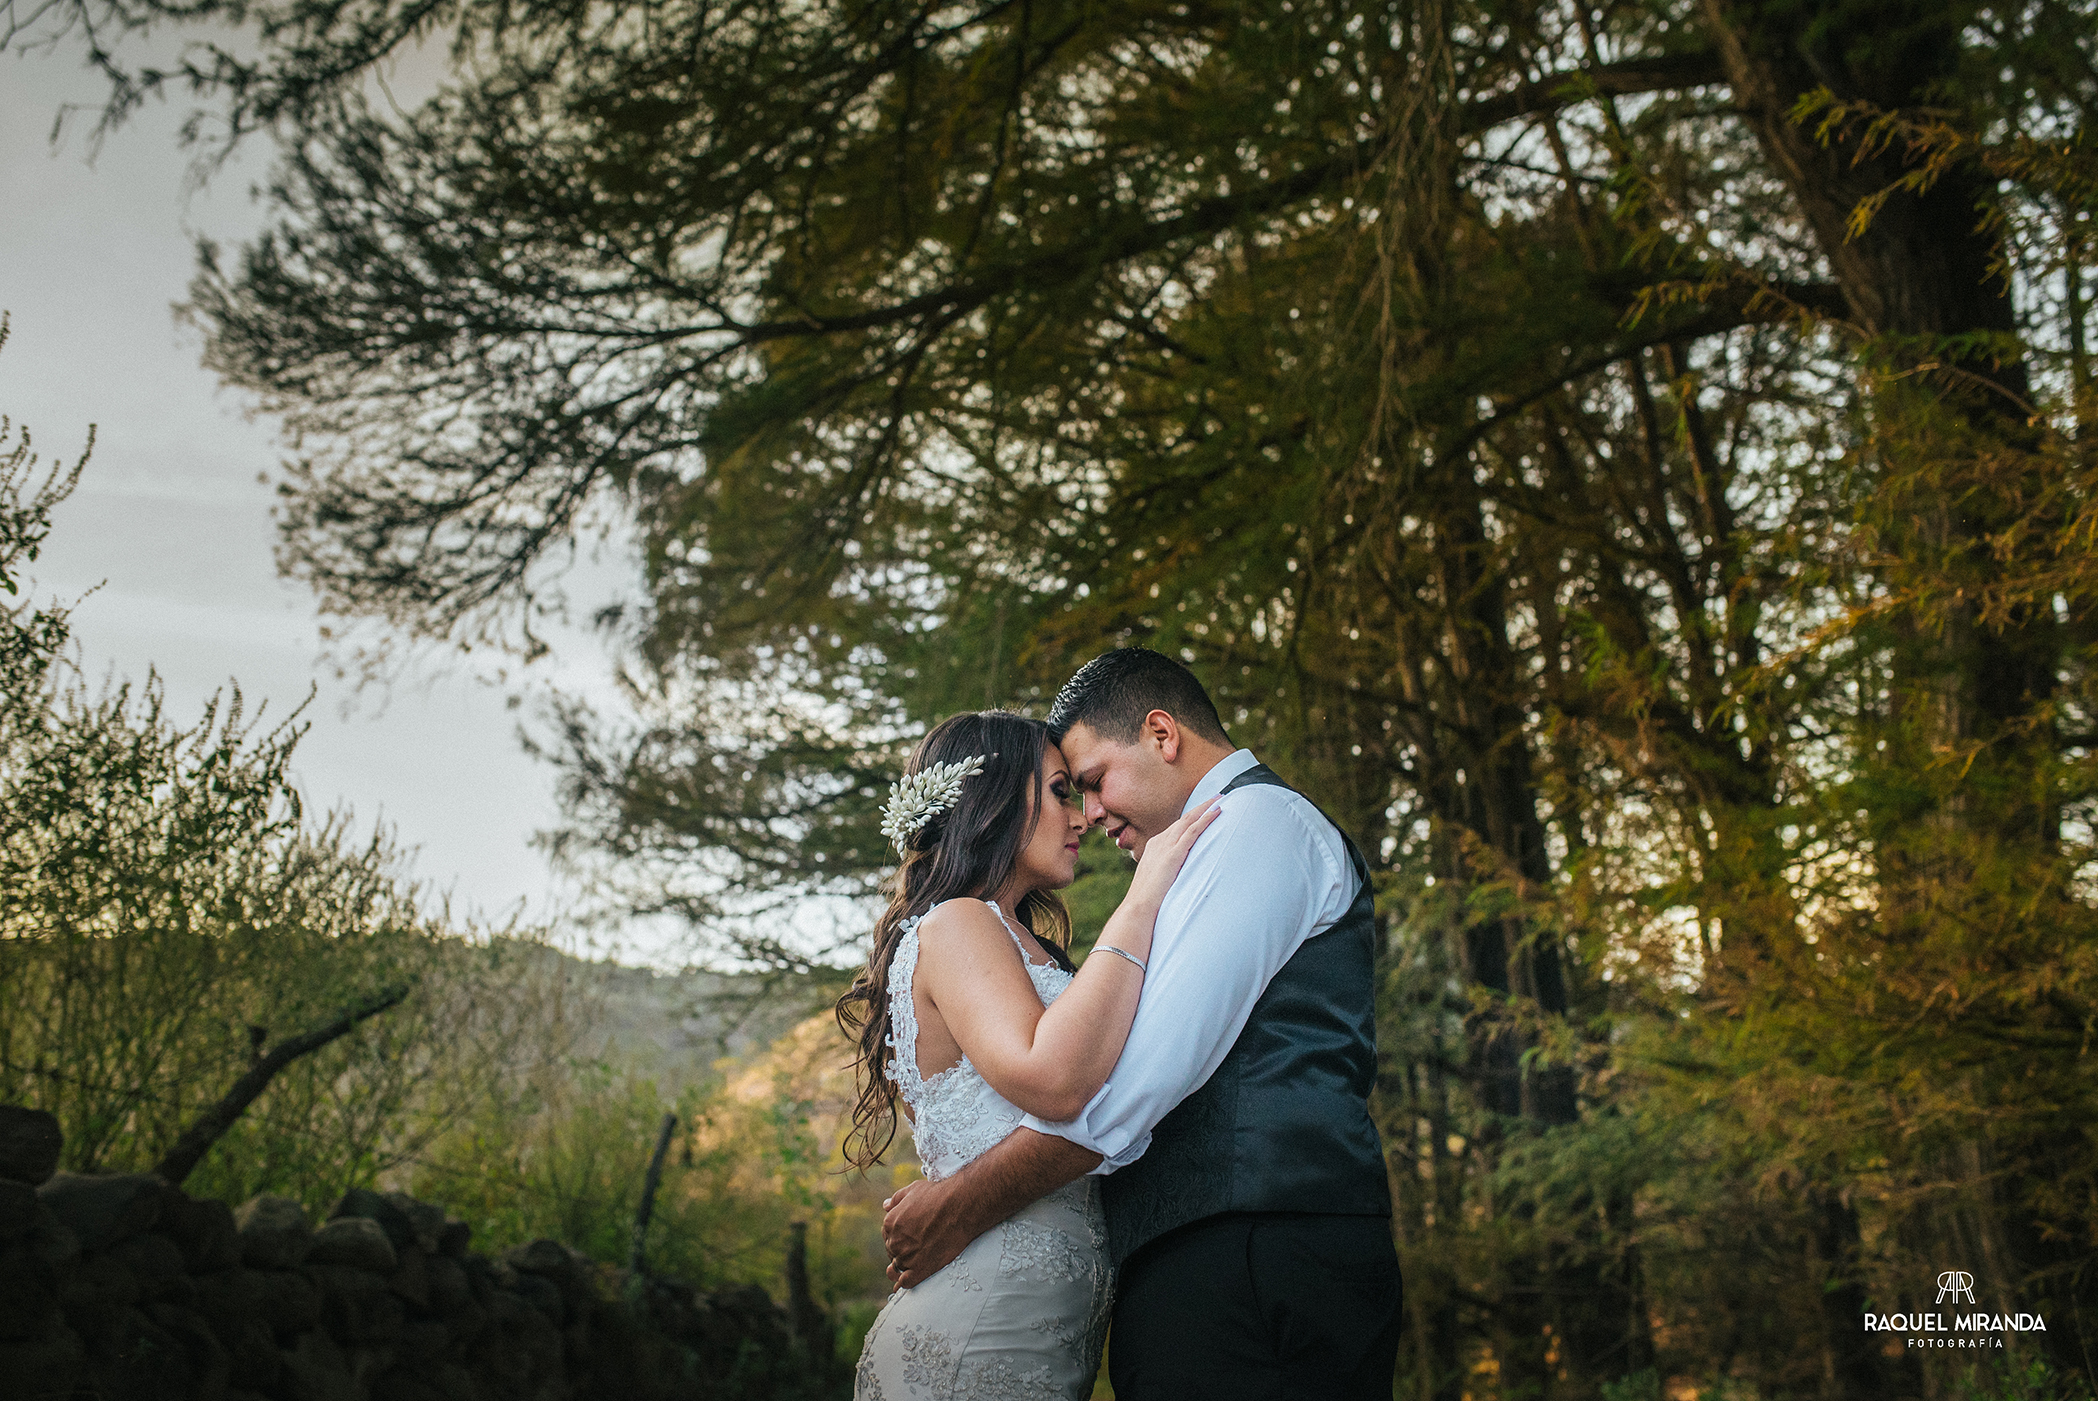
[1221, 773]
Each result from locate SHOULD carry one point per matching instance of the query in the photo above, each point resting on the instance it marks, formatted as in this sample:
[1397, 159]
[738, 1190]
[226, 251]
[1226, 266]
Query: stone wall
[121, 1287]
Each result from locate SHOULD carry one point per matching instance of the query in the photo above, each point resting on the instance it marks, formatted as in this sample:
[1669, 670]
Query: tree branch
[1751, 306]
[1692, 69]
[196, 1140]
[1143, 234]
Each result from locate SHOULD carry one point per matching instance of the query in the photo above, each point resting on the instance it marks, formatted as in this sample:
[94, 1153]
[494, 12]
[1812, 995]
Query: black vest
[1284, 1124]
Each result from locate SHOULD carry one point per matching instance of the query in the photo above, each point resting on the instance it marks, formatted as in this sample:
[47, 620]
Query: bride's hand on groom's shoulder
[1164, 854]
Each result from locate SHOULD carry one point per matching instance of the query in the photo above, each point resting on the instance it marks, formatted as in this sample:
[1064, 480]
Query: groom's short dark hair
[1112, 693]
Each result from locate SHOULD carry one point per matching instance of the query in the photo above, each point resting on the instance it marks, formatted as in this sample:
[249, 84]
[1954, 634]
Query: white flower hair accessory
[920, 797]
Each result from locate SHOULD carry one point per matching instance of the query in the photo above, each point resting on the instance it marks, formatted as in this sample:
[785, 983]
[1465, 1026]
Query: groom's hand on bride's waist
[921, 1237]
[926, 1224]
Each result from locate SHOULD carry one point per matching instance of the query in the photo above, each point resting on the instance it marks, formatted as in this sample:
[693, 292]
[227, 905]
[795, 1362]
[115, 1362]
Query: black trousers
[1259, 1307]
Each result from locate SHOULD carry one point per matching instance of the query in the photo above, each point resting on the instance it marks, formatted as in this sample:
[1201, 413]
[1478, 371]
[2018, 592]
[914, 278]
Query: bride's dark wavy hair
[970, 849]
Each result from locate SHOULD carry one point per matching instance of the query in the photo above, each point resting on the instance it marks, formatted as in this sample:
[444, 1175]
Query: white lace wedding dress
[1020, 1314]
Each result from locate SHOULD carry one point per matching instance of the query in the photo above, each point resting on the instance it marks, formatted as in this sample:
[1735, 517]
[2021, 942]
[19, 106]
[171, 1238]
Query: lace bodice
[955, 1114]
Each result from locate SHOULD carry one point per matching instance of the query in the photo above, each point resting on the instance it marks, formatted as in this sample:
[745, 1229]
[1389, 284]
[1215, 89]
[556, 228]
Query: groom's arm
[928, 1223]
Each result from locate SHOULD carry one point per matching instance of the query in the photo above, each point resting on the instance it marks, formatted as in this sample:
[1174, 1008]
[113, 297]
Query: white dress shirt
[1267, 874]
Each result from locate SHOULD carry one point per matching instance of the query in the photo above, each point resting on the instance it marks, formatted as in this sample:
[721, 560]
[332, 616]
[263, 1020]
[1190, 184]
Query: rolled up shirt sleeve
[1268, 874]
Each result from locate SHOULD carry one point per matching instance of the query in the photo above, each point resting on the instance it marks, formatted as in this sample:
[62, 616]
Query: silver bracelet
[1110, 948]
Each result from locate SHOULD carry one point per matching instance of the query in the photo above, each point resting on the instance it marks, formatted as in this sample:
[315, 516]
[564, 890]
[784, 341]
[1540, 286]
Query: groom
[1247, 1207]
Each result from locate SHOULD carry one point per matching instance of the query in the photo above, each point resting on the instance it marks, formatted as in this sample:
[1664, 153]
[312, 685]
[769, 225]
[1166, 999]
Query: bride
[970, 1013]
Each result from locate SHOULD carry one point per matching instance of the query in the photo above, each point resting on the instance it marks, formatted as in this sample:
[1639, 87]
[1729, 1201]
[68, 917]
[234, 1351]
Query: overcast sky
[167, 544]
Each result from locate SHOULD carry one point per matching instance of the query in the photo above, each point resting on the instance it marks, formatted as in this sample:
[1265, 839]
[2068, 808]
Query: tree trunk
[1561, 1327]
[811, 1324]
[650, 1182]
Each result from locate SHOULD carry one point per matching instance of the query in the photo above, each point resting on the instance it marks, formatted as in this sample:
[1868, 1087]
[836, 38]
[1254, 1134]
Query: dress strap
[1018, 942]
[1018, 938]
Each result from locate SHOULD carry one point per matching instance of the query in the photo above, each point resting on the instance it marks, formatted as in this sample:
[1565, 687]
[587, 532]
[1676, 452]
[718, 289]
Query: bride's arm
[1050, 1062]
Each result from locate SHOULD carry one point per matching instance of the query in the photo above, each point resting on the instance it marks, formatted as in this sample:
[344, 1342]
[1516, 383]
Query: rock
[357, 1242]
[137, 1357]
[316, 1370]
[253, 1360]
[274, 1233]
[44, 1368]
[508, 1312]
[672, 1306]
[539, 1291]
[468, 1324]
[291, 1303]
[422, 1343]
[367, 1361]
[209, 1364]
[17, 1210]
[180, 1291]
[500, 1366]
[404, 1384]
[488, 1276]
[540, 1257]
[448, 1289]
[151, 1259]
[95, 1296]
[18, 1264]
[540, 1347]
[204, 1230]
[412, 1279]
[455, 1383]
[356, 1306]
[425, 1222]
[29, 1144]
[746, 1315]
[100, 1211]
[454, 1239]
[54, 1247]
[362, 1202]
[28, 1308]
[232, 1301]
[574, 1276]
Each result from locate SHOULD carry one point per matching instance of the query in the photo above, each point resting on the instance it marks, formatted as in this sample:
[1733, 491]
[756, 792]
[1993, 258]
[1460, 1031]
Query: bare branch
[196, 1140]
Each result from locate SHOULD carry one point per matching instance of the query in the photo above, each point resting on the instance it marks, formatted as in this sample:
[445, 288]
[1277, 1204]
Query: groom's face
[1132, 788]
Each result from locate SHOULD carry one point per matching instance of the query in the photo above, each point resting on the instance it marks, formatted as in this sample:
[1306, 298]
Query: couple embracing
[1178, 1132]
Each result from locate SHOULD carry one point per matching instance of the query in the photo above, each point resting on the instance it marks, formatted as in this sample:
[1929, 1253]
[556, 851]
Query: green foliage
[570, 1167]
[752, 1153]
[166, 912]
[31, 638]
[1640, 1386]
[2026, 1379]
